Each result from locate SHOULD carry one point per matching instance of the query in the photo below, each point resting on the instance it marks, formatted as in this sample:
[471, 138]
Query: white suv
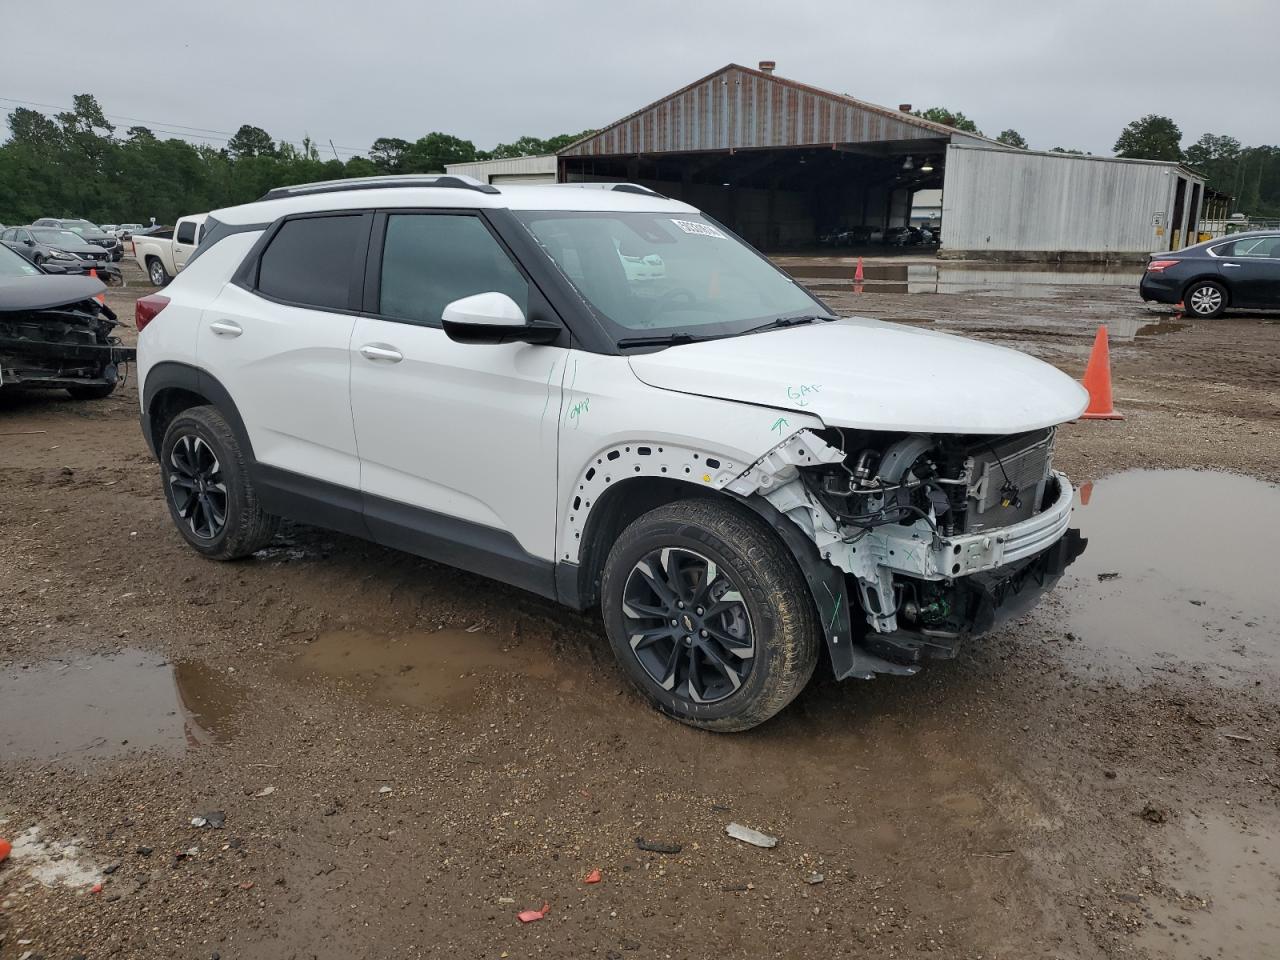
[736, 476]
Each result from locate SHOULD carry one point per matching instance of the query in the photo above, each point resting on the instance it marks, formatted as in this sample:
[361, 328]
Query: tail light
[147, 308]
[1158, 266]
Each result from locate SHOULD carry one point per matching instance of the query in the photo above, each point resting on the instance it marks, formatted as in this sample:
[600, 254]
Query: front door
[457, 441]
[1251, 267]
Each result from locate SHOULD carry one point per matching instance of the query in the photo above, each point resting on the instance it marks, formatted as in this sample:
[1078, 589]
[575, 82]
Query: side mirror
[29, 242]
[494, 318]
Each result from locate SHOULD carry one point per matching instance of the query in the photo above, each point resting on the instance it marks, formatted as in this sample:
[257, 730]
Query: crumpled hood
[46, 291]
[872, 375]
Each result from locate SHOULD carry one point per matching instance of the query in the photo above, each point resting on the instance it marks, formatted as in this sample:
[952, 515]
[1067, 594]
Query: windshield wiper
[665, 340]
[789, 322]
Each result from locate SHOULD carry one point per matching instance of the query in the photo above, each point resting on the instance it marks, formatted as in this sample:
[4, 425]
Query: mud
[408, 755]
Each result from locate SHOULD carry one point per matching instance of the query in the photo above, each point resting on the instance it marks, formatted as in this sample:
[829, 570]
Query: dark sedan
[1239, 271]
[87, 231]
[48, 245]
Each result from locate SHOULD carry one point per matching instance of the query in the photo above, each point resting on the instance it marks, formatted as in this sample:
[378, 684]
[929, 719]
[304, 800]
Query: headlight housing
[62, 255]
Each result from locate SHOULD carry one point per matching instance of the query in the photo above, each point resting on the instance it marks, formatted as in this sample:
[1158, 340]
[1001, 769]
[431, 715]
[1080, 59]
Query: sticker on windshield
[699, 229]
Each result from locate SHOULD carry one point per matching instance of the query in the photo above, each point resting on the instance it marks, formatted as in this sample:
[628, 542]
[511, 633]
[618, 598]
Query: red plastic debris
[529, 916]
[5, 848]
[96, 888]
[592, 877]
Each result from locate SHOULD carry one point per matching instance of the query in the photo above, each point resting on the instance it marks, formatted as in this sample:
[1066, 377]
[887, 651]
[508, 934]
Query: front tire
[207, 487]
[708, 615]
[1205, 299]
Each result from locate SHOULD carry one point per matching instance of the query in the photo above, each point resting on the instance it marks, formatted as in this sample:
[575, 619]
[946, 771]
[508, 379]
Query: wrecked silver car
[55, 333]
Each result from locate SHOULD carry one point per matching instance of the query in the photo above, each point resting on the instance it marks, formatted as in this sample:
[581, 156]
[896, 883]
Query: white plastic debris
[384, 789]
[753, 837]
[265, 792]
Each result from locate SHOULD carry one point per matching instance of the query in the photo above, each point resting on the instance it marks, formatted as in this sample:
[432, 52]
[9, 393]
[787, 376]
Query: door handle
[380, 351]
[226, 328]
[1235, 265]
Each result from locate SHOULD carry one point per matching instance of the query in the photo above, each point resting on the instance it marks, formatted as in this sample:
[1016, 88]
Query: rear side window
[309, 261]
[430, 260]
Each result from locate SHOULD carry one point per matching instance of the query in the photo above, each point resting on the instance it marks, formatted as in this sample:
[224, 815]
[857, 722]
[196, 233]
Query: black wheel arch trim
[170, 375]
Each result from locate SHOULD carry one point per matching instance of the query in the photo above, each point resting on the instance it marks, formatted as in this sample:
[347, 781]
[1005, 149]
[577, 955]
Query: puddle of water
[421, 669]
[99, 706]
[1229, 881]
[1195, 588]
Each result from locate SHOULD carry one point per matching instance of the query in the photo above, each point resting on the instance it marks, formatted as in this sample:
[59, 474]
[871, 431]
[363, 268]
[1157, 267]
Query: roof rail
[450, 180]
[619, 188]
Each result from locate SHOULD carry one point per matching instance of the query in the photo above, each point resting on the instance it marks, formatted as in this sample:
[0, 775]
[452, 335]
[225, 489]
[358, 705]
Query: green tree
[429, 154]
[1079, 153]
[1151, 138]
[251, 141]
[1012, 138]
[949, 118]
[388, 153]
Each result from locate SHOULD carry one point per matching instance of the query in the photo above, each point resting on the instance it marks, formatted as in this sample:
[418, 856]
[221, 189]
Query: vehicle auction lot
[407, 755]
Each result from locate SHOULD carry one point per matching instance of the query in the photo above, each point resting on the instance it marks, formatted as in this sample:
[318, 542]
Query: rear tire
[207, 487]
[1205, 299]
[708, 615]
[92, 391]
[157, 273]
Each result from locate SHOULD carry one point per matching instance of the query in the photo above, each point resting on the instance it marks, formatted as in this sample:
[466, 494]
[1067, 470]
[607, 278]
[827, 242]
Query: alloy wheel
[688, 625]
[157, 275]
[196, 486]
[1206, 300]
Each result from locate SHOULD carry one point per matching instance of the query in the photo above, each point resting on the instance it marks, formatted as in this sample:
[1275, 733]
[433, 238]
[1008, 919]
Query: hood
[870, 375]
[46, 292]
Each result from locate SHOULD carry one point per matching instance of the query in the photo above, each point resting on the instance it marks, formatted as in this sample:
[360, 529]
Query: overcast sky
[1065, 73]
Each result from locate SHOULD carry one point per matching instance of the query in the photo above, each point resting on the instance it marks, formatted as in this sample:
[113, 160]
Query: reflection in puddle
[421, 668]
[1195, 584]
[98, 706]
[922, 278]
[1226, 886]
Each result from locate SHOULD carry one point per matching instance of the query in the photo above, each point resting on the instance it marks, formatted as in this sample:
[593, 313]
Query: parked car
[126, 230]
[110, 228]
[1241, 271]
[735, 476]
[86, 230]
[54, 333]
[903, 237]
[41, 244]
[163, 253]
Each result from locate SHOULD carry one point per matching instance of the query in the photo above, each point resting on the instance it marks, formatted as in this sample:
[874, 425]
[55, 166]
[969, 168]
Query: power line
[161, 126]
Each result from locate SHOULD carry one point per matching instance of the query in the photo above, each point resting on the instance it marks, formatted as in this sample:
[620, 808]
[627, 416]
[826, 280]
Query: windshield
[655, 274]
[81, 226]
[13, 265]
[58, 237]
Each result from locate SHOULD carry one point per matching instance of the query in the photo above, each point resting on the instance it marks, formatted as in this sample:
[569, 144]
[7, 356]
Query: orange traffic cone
[857, 272]
[1086, 491]
[1097, 380]
[102, 297]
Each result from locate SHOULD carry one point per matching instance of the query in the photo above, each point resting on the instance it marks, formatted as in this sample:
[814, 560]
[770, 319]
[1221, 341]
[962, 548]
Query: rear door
[1251, 267]
[463, 435]
[278, 338]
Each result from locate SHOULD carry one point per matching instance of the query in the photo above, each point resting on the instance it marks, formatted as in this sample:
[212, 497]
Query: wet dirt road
[403, 756]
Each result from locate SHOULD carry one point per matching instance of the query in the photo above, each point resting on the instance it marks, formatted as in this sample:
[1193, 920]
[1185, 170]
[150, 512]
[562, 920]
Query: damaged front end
[937, 537]
[55, 333]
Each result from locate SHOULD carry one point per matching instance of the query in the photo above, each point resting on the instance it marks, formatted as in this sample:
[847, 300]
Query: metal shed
[778, 161]
[1028, 205]
[511, 170]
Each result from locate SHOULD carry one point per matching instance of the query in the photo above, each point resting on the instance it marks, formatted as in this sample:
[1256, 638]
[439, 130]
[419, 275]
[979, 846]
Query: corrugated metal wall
[1012, 200]
[523, 168]
[741, 108]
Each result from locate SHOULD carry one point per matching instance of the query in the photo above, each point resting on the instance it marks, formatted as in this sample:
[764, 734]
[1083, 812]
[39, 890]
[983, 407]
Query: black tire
[91, 391]
[38, 260]
[196, 434]
[765, 582]
[1205, 299]
[156, 272]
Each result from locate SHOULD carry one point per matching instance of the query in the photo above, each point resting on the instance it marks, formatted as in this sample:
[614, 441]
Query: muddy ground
[391, 758]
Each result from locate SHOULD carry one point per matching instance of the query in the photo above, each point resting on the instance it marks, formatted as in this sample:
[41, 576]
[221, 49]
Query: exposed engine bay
[940, 536]
[55, 333]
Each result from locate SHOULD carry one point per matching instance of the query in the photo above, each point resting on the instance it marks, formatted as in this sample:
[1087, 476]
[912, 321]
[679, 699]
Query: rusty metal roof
[737, 107]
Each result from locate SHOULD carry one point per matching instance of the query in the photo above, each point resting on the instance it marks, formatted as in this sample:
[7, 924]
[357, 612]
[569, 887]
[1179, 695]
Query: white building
[514, 170]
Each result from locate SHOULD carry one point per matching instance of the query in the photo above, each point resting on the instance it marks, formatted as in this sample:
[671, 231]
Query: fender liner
[830, 597]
